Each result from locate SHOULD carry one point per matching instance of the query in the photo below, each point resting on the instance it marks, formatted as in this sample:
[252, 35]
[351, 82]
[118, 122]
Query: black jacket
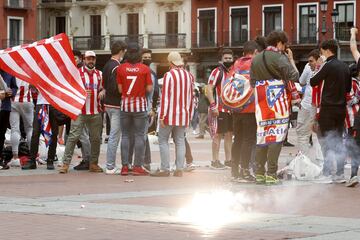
[337, 82]
[112, 95]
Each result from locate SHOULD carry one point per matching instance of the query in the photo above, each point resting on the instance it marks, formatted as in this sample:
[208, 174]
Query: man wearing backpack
[222, 117]
[112, 104]
[244, 121]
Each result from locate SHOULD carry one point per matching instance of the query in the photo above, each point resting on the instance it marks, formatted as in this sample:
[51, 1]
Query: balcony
[127, 38]
[57, 4]
[92, 3]
[157, 41]
[89, 43]
[8, 43]
[18, 4]
[206, 40]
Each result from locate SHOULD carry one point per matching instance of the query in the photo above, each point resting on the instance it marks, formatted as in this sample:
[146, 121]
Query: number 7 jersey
[134, 78]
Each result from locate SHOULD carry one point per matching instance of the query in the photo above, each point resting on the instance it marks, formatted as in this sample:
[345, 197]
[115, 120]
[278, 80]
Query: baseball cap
[175, 58]
[90, 54]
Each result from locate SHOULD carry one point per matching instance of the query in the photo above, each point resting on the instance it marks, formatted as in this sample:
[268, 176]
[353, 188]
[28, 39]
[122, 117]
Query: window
[60, 25]
[16, 3]
[307, 24]
[171, 29]
[239, 26]
[15, 31]
[95, 31]
[345, 21]
[206, 28]
[272, 19]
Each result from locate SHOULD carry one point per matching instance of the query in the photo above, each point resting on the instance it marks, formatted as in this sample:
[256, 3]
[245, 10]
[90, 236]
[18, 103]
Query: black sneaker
[228, 163]
[50, 164]
[4, 166]
[83, 166]
[287, 144]
[31, 164]
[217, 165]
[106, 140]
[247, 176]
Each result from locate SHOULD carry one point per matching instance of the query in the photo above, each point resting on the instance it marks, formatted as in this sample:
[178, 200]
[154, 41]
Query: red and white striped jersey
[215, 79]
[134, 78]
[24, 92]
[177, 98]
[92, 81]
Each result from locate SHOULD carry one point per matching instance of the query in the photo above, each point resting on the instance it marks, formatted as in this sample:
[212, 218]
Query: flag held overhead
[49, 65]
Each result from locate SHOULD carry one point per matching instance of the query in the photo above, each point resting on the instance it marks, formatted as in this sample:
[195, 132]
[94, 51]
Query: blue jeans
[147, 158]
[114, 137]
[179, 139]
[195, 120]
[133, 124]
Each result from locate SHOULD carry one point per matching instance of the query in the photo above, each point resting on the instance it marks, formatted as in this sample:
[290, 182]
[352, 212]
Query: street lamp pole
[323, 8]
[334, 18]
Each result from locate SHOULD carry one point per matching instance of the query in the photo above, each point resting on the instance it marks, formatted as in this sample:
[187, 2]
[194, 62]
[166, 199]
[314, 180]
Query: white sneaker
[115, 171]
[324, 179]
[40, 161]
[15, 162]
[339, 179]
[195, 132]
[189, 167]
[352, 182]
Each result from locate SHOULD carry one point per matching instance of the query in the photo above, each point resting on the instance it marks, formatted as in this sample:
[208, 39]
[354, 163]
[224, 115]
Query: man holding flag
[90, 116]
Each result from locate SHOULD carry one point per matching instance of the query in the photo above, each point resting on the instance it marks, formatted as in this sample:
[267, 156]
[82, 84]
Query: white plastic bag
[303, 168]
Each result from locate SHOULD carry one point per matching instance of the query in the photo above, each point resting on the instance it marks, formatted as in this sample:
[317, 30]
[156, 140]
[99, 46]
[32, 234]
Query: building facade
[229, 23]
[161, 25]
[18, 22]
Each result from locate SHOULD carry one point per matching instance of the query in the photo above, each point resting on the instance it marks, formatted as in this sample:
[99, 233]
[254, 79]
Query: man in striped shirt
[176, 110]
[134, 81]
[223, 116]
[21, 106]
[90, 116]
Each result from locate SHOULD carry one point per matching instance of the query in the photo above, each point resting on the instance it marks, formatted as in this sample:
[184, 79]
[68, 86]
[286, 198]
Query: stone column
[107, 42]
[146, 40]
[193, 69]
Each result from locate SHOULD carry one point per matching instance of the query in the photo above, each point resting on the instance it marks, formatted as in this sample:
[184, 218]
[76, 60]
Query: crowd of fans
[249, 102]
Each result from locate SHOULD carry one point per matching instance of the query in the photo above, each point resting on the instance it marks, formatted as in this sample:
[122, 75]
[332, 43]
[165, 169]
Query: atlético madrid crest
[276, 98]
[237, 92]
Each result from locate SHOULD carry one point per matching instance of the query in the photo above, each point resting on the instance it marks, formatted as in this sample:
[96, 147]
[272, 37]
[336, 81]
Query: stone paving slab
[42, 204]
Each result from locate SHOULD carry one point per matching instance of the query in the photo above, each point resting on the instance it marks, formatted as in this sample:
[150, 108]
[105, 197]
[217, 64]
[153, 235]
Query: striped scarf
[45, 127]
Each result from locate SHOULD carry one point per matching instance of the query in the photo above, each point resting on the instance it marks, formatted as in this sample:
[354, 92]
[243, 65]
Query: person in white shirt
[307, 112]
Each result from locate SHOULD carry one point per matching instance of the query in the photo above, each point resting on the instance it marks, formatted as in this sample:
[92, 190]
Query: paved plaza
[203, 204]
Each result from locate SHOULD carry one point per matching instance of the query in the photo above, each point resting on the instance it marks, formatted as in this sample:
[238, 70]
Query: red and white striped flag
[49, 65]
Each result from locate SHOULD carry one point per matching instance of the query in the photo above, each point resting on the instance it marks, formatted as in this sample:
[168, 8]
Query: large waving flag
[49, 65]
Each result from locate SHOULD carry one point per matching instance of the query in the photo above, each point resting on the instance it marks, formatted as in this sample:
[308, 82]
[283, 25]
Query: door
[95, 31]
[133, 27]
[172, 29]
[60, 25]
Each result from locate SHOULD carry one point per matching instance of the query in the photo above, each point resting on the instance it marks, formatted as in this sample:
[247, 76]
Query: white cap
[90, 54]
[176, 59]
